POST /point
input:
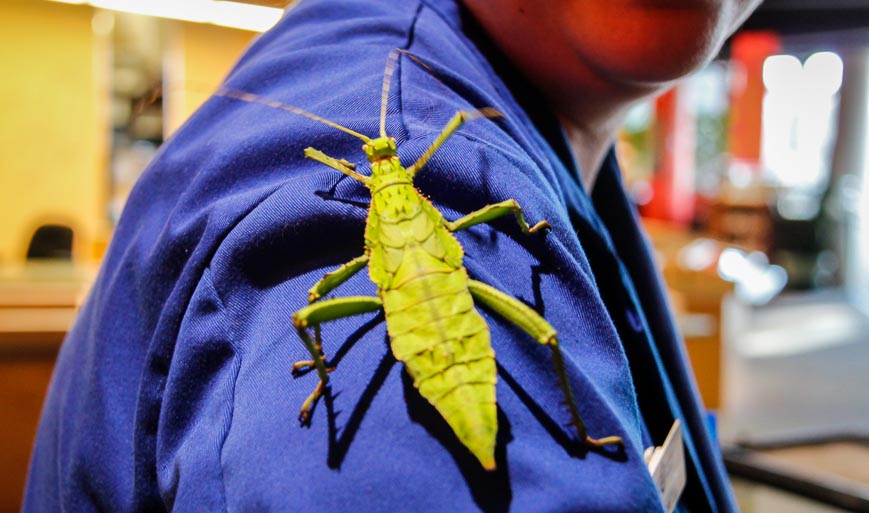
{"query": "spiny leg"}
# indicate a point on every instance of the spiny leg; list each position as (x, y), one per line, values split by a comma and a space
(335, 278)
(301, 366)
(454, 123)
(348, 168)
(312, 316)
(494, 211)
(315, 314)
(532, 323)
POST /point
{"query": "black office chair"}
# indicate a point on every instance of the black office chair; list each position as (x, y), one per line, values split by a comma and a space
(51, 242)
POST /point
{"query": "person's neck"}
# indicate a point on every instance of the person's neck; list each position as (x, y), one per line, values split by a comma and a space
(589, 118)
(590, 144)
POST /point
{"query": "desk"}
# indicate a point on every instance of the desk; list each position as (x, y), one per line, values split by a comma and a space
(38, 303)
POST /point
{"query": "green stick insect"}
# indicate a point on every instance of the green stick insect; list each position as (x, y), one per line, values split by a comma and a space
(423, 288)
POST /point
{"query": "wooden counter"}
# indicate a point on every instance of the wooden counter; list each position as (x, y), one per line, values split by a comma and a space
(696, 297)
(38, 303)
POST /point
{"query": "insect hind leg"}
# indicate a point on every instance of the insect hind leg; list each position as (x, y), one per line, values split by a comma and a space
(303, 366)
(312, 316)
(532, 323)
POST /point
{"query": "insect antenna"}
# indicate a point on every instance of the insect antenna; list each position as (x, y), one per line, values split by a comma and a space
(481, 112)
(255, 98)
(455, 122)
(391, 59)
(419, 61)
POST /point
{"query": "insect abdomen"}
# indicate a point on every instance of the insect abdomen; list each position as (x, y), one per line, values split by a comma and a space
(434, 328)
(444, 344)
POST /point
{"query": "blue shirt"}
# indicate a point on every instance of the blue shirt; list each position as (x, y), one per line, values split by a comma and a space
(173, 388)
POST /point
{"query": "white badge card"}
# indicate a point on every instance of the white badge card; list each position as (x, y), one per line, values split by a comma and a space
(667, 466)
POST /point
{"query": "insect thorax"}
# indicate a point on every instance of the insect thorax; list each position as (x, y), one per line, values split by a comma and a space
(386, 171)
(392, 193)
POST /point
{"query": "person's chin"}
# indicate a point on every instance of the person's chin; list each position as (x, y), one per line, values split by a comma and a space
(680, 4)
(652, 46)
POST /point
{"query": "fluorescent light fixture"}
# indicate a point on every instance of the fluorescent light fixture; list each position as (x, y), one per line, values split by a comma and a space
(228, 14)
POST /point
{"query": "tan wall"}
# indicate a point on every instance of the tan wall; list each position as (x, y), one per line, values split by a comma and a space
(198, 58)
(54, 131)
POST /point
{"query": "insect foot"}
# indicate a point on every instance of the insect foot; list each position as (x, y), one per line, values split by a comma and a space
(543, 226)
(305, 412)
(303, 366)
(600, 442)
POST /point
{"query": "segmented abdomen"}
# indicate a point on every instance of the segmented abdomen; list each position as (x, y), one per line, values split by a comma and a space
(433, 326)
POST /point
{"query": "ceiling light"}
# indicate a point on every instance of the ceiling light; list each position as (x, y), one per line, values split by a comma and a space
(228, 14)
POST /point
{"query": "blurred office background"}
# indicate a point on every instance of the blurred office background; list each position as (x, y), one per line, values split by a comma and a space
(751, 177)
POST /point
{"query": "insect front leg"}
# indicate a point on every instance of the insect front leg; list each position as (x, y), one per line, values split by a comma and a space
(312, 316)
(452, 125)
(342, 165)
(532, 323)
(494, 211)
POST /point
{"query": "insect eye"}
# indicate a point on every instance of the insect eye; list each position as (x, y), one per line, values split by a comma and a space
(364, 147)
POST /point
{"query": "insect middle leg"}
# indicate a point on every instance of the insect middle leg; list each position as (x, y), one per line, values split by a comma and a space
(494, 211)
(331, 280)
(532, 323)
(312, 316)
